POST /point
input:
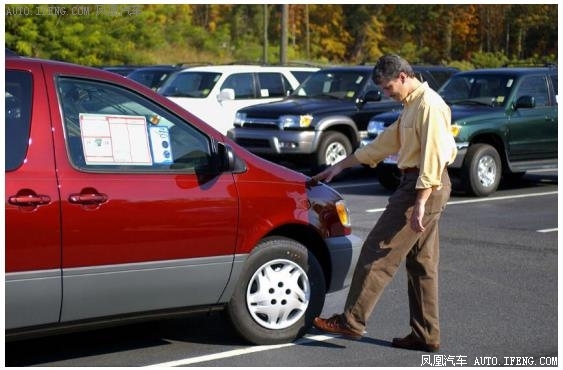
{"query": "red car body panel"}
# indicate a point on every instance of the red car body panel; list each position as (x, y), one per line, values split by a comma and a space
(33, 237)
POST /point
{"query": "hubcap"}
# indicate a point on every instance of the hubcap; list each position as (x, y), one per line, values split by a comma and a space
(487, 171)
(278, 294)
(335, 152)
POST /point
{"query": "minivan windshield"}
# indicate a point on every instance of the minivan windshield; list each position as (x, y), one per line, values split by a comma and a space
(191, 84)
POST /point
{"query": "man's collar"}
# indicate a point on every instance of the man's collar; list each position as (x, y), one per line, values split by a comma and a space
(415, 93)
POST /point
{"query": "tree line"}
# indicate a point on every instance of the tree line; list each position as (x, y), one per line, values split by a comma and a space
(462, 35)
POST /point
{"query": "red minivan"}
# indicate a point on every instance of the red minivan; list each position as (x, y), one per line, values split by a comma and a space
(120, 204)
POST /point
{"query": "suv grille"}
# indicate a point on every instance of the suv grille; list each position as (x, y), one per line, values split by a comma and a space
(261, 123)
(253, 143)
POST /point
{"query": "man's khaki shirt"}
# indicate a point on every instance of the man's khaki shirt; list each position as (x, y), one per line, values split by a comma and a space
(421, 136)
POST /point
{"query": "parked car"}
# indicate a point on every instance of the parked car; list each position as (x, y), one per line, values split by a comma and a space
(122, 70)
(323, 121)
(434, 75)
(120, 205)
(153, 76)
(504, 122)
(217, 92)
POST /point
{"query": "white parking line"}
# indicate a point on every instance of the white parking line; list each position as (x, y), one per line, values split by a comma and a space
(243, 351)
(547, 230)
(479, 200)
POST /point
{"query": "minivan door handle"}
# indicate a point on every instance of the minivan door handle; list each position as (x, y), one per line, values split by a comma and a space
(88, 196)
(27, 200)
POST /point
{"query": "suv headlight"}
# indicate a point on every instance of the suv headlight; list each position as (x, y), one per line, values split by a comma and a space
(295, 121)
(375, 127)
(239, 119)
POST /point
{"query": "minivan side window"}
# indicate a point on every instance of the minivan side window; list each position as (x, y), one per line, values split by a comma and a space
(111, 129)
(19, 91)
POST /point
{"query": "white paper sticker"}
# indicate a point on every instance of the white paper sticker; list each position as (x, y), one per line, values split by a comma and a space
(160, 143)
(115, 139)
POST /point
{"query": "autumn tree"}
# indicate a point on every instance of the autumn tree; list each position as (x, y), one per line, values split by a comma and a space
(478, 34)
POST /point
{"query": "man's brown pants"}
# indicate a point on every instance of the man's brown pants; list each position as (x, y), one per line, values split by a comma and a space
(388, 243)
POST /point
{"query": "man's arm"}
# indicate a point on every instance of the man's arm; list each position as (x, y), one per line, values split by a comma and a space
(422, 196)
(329, 173)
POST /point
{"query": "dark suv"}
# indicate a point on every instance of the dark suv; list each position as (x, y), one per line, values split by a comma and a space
(504, 122)
(323, 120)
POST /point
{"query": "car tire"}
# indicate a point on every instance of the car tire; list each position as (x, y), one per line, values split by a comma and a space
(482, 170)
(333, 148)
(389, 176)
(279, 293)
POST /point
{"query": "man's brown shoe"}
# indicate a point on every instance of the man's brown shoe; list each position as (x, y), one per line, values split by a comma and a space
(336, 325)
(411, 342)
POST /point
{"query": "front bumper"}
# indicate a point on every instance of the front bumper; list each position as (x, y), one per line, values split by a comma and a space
(461, 152)
(274, 142)
(344, 253)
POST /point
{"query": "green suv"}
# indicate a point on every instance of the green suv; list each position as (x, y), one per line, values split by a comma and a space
(504, 121)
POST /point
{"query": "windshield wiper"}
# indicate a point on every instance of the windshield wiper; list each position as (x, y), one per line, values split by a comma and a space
(470, 102)
(179, 95)
(324, 96)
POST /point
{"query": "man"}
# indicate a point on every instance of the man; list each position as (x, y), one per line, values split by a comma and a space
(408, 228)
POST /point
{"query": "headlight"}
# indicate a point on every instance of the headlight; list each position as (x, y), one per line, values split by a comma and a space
(456, 129)
(239, 119)
(375, 127)
(343, 213)
(295, 121)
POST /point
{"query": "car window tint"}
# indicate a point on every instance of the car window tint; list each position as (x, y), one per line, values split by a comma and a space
(441, 76)
(242, 84)
(535, 86)
(109, 128)
(456, 88)
(301, 75)
(341, 84)
(150, 78)
(17, 117)
(189, 84)
(271, 84)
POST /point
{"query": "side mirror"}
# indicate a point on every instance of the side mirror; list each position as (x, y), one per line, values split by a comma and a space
(226, 94)
(373, 95)
(226, 158)
(525, 101)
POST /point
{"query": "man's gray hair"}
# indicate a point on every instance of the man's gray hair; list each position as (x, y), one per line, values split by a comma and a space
(389, 66)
